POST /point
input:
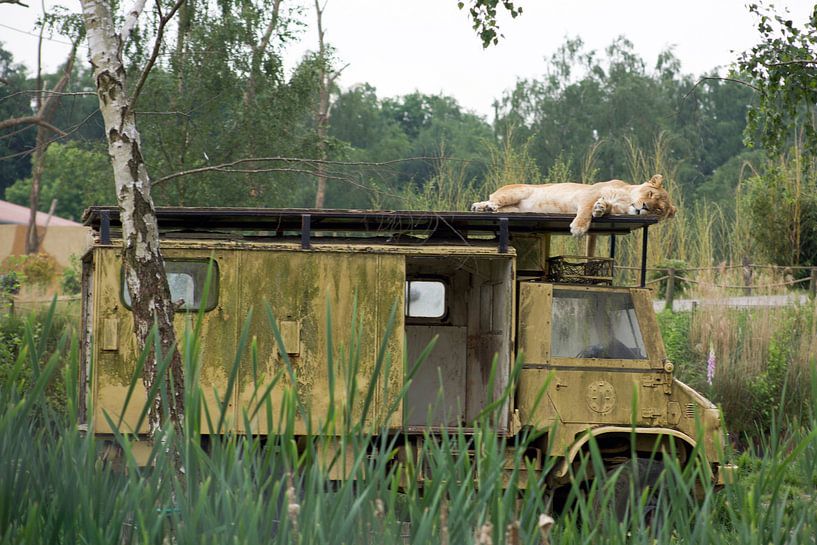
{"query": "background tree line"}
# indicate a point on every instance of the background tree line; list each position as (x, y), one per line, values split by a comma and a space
(216, 95)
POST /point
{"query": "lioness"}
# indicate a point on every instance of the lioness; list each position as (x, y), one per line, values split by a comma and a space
(586, 201)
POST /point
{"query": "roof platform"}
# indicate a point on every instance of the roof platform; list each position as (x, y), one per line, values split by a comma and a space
(400, 226)
(291, 221)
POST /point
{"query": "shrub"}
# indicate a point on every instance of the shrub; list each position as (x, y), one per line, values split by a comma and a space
(784, 191)
(35, 269)
(71, 282)
(758, 354)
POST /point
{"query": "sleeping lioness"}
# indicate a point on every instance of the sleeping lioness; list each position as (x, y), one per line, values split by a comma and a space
(586, 201)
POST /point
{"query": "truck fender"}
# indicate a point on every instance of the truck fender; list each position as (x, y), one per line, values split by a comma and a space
(561, 469)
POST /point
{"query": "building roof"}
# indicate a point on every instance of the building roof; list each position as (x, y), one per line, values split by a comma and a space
(16, 214)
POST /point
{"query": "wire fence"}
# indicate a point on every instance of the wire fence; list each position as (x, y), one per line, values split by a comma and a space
(672, 277)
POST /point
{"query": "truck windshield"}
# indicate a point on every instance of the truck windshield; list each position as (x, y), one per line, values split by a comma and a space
(595, 324)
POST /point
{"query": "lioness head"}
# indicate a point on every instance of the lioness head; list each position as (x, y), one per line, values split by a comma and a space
(651, 198)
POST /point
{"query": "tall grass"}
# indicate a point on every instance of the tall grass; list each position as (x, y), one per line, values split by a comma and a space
(55, 488)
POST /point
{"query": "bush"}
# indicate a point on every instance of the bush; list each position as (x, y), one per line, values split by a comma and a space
(70, 282)
(35, 269)
(781, 206)
(757, 356)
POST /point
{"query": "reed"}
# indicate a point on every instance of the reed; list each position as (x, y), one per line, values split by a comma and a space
(55, 488)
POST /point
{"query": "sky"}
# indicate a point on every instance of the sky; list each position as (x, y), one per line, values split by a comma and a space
(400, 46)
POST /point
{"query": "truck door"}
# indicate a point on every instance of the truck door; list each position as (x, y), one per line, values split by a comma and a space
(300, 288)
(592, 355)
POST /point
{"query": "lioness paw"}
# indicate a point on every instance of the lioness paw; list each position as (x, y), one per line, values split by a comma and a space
(578, 230)
(484, 206)
(599, 209)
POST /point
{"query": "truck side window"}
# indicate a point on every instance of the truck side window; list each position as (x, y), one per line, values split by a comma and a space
(186, 280)
(425, 299)
(594, 324)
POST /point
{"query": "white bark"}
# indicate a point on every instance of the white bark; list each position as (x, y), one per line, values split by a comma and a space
(132, 18)
(144, 266)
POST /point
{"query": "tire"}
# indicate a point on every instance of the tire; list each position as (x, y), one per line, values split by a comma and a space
(641, 475)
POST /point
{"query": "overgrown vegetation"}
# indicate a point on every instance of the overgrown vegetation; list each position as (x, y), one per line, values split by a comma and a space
(752, 362)
(56, 487)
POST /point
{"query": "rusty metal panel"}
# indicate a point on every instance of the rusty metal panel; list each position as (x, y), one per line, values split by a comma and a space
(650, 331)
(299, 287)
(535, 321)
(597, 396)
(113, 370)
(535, 406)
(110, 334)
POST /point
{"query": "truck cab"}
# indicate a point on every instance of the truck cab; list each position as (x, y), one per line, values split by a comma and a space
(548, 343)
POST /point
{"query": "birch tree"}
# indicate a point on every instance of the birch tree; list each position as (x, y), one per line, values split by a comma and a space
(326, 79)
(143, 263)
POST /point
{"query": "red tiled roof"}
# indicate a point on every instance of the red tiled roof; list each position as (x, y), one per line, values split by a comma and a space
(14, 213)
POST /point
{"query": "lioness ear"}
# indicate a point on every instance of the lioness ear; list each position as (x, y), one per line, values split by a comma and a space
(656, 180)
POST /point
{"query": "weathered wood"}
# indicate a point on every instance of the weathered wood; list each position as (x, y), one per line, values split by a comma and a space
(670, 294)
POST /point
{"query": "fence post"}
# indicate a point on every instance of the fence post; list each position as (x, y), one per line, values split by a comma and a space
(747, 275)
(669, 296)
(812, 283)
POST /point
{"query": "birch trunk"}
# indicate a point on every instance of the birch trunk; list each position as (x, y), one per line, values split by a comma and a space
(143, 264)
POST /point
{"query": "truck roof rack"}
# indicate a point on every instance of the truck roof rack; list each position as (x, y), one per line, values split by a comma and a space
(304, 221)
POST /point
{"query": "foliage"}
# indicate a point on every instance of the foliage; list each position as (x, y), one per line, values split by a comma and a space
(449, 189)
(9, 283)
(217, 99)
(663, 266)
(781, 205)
(71, 277)
(38, 333)
(689, 364)
(484, 16)
(763, 361)
(14, 159)
(604, 104)
(77, 175)
(33, 269)
(59, 489)
(783, 68)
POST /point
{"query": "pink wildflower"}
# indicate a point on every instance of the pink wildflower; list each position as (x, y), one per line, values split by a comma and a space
(710, 366)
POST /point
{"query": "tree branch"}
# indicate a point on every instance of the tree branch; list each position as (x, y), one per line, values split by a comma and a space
(157, 45)
(130, 22)
(225, 167)
(54, 97)
(733, 80)
(345, 179)
(30, 120)
(16, 2)
(801, 62)
(258, 51)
